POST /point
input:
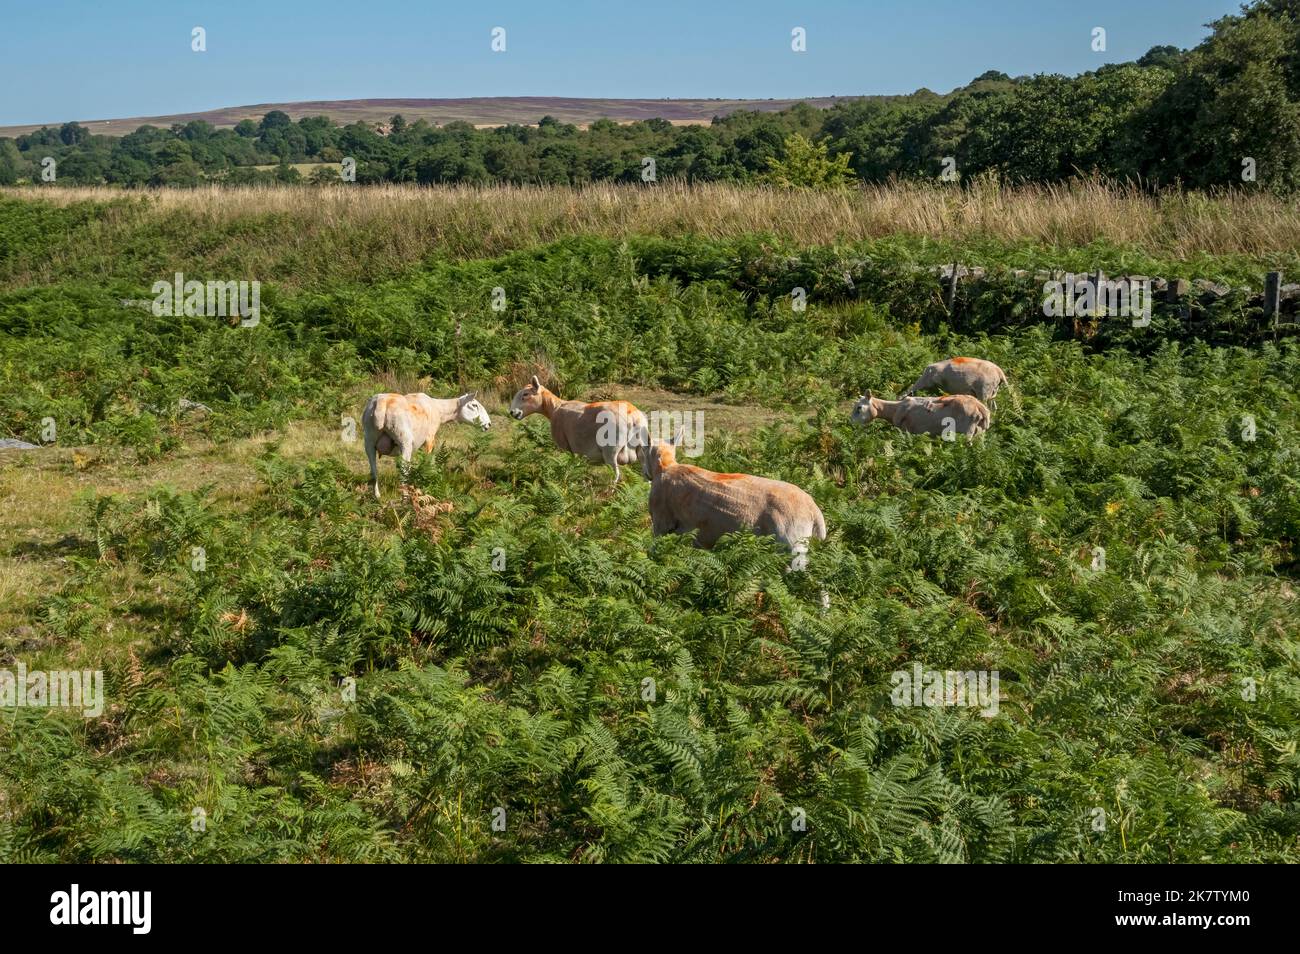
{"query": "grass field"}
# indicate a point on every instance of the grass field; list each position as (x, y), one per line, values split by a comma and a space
(303, 168)
(536, 676)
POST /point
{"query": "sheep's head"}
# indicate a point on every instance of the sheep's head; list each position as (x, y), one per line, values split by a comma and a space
(470, 411)
(527, 400)
(660, 455)
(865, 411)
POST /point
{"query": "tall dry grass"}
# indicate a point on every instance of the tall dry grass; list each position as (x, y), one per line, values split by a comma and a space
(403, 224)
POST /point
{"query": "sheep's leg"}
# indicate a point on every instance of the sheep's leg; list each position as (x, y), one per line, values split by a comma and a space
(799, 563)
(377, 444)
(405, 466)
(610, 455)
(799, 555)
(661, 516)
(372, 455)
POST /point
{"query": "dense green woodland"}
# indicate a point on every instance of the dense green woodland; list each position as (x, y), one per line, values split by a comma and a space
(1172, 117)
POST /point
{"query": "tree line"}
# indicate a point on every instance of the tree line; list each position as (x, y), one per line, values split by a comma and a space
(1224, 113)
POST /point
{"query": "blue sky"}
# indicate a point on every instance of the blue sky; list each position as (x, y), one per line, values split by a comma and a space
(87, 59)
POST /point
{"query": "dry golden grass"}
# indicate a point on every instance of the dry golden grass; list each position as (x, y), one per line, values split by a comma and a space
(410, 221)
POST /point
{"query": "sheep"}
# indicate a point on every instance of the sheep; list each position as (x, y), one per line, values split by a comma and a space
(395, 424)
(684, 498)
(609, 431)
(974, 376)
(943, 416)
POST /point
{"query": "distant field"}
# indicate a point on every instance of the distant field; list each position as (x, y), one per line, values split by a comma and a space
(304, 168)
(479, 110)
(300, 235)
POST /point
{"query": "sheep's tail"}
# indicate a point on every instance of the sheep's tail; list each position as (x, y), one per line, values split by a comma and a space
(374, 415)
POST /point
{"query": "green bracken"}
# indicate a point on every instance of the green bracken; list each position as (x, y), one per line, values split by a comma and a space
(504, 665)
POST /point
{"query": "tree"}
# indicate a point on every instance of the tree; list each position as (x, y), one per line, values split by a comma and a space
(196, 130)
(761, 138)
(1050, 127)
(275, 119)
(82, 168)
(1234, 104)
(806, 165)
(11, 162)
(1166, 57)
(73, 134)
(325, 175)
(183, 173)
(126, 170)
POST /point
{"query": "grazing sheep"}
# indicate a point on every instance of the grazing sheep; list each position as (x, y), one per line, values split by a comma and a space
(396, 424)
(609, 431)
(973, 376)
(943, 416)
(684, 497)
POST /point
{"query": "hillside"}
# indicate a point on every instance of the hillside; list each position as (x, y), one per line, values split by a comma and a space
(502, 662)
(478, 110)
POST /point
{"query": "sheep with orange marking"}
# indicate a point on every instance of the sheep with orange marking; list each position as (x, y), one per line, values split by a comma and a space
(943, 416)
(610, 431)
(974, 376)
(396, 424)
(684, 498)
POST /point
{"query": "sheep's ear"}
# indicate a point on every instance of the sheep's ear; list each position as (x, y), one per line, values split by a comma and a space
(536, 383)
(473, 395)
